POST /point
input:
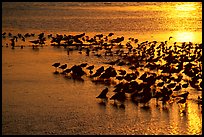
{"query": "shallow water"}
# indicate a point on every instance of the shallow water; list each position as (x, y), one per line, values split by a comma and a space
(36, 101)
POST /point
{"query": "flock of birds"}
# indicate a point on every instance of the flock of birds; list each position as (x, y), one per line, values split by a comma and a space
(61, 40)
(156, 70)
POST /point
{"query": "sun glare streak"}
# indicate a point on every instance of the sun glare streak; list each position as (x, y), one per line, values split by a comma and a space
(185, 37)
(185, 7)
(194, 122)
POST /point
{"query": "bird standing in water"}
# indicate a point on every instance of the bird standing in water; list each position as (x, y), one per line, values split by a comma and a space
(182, 102)
(103, 96)
(57, 64)
(63, 67)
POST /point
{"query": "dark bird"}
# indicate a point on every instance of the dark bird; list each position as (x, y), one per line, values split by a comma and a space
(35, 42)
(160, 84)
(98, 72)
(185, 85)
(133, 68)
(170, 37)
(56, 65)
(177, 88)
(122, 72)
(63, 66)
(102, 95)
(171, 85)
(120, 96)
(66, 71)
(165, 99)
(119, 77)
(83, 65)
(77, 72)
(157, 95)
(143, 77)
(110, 34)
(199, 100)
(184, 95)
(182, 101)
(90, 67)
(145, 100)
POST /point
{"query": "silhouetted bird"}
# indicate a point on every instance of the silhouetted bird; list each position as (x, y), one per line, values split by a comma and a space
(102, 95)
(122, 72)
(90, 68)
(35, 42)
(165, 99)
(83, 65)
(184, 95)
(66, 71)
(177, 88)
(182, 101)
(120, 96)
(56, 65)
(160, 84)
(63, 66)
(185, 85)
(171, 85)
(98, 72)
(110, 34)
(199, 100)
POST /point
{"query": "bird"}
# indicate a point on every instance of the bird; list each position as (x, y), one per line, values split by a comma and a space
(63, 66)
(144, 75)
(83, 65)
(185, 85)
(145, 99)
(199, 100)
(110, 34)
(90, 68)
(170, 37)
(171, 85)
(57, 64)
(66, 71)
(98, 72)
(156, 94)
(165, 99)
(160, 84)
(102, 95)
(119, 77)
(182, 101)
(34, 41)
(184, 95)
(122, 72)
(178, 87)
(120, 96)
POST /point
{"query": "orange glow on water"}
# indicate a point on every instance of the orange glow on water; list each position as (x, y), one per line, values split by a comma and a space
(185, 36)
(194, 121)
(186, 7)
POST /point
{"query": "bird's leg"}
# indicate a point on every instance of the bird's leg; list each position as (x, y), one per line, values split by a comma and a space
(157, 101)
(164, 104)
(115, 103)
